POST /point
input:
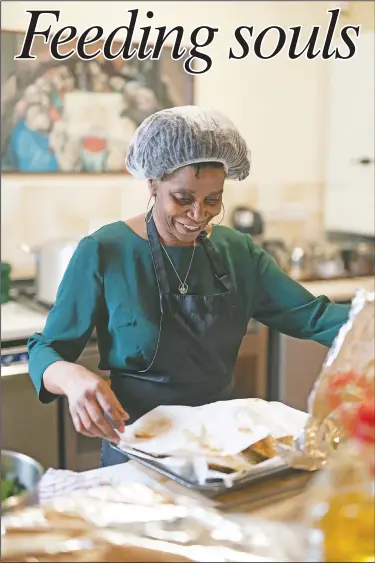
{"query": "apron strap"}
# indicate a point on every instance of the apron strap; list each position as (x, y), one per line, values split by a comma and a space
(220, 271)
(157, 255)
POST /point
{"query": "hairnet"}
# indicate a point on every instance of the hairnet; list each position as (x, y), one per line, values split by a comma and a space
(176, 137)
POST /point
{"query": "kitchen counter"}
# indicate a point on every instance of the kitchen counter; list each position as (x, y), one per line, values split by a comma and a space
(339, 289)
(285, 506)
(17, 318)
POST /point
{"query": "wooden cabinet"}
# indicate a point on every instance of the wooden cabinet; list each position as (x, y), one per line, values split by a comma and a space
(251, 366)
(27, 426)
(300, 363)
(349, 172)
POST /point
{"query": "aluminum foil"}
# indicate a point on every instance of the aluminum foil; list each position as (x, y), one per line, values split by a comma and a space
(138, 523)
(204, 451)
(346, 379)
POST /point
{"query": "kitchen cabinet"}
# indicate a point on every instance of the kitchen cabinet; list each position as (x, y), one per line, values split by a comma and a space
(251, 367)
(27, 425)
(349, 172)
(81, 453)
(300, 362)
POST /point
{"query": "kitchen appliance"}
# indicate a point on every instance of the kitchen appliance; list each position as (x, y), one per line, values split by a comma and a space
(248, 220)
(52, 259)
(29, 473)
(327, 262)
(359, 259)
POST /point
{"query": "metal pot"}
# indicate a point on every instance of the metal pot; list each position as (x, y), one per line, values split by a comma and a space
(360, 259)
(29, 473)
(52, 259)
(327, 262)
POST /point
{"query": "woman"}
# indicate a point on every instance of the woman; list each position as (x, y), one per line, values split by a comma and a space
(170, 295)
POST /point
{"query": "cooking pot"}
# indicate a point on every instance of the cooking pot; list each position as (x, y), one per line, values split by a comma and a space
(327, 261)
(360, 259)
(52, 259)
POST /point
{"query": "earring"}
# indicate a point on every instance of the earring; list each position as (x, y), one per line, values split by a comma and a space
(149, 210)
(221, 220)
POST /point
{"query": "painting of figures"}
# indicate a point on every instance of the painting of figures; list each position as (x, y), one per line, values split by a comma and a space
(72, 115)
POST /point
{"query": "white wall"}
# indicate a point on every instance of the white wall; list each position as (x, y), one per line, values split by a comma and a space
(279, 106)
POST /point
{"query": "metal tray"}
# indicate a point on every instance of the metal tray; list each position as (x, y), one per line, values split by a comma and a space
(215, 486)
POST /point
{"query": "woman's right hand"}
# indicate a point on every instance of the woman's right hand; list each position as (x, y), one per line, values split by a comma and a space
(91, 400)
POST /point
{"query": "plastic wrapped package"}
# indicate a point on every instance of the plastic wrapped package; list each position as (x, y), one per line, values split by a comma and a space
(138, 523)
(347, 378)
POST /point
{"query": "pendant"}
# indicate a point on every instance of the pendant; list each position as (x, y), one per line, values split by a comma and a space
(183, 288)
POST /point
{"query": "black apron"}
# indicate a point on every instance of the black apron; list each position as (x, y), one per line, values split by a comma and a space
(199, 338)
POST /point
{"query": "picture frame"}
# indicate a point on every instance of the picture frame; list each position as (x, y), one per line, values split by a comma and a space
(74, 116)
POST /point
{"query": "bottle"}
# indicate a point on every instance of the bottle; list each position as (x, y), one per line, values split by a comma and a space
(341, 506)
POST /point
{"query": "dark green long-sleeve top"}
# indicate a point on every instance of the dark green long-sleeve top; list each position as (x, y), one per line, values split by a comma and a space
(110, 284)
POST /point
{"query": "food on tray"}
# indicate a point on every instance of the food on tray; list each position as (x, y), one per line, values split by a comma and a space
(217, 430)
(267, 447)
(200, 443)
(154, 427)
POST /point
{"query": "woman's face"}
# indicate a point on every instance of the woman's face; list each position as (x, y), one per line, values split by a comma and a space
(186, 201)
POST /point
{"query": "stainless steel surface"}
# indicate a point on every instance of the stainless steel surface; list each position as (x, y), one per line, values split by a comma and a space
(300, 262)
(215, 486)
(52, 259)
(28, 471)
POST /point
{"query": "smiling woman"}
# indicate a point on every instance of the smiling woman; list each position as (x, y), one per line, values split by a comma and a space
(169, 292)
(187, 200)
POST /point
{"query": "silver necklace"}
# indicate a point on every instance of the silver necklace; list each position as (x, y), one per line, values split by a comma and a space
(183, 287)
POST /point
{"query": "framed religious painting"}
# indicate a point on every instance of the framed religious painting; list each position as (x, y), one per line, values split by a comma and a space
(75, 116)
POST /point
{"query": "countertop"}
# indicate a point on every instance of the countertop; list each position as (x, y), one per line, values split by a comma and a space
(20, 322)
(286, 506)
(340, 289)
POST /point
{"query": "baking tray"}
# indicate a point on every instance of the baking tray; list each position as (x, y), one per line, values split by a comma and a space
(215, 486)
